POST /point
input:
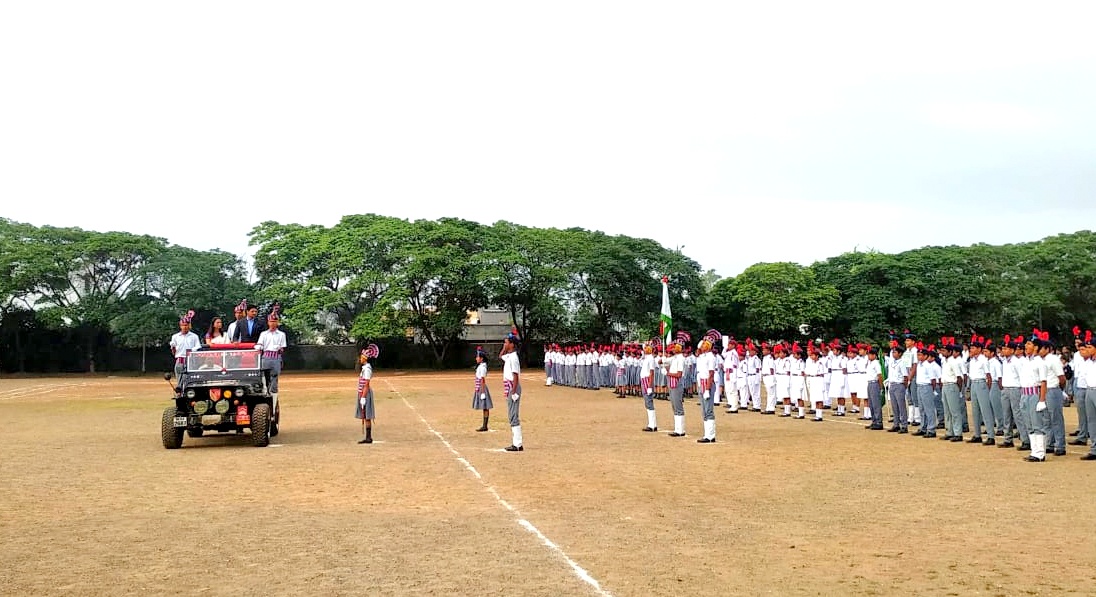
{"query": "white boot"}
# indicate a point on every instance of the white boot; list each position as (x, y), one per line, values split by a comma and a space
(679, 424)
(651, 424)
(517, 435)
(709, 429)
(1038, 447)
(548, 381)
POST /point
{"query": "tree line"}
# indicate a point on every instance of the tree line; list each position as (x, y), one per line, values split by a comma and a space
(373, 277)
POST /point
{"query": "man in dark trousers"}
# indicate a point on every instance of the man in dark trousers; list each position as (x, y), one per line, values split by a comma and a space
(248, 329)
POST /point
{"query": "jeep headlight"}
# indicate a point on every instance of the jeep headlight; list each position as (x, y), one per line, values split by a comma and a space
(222, 406)
(201, 407)
(190, 393)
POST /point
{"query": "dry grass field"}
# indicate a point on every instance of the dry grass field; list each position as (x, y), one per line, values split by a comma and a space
(91, 503)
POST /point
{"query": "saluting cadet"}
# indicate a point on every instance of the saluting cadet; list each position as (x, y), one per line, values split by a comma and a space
(183, 342)
(675, 373)
(898, 380)
(875, 389)
(1056, 378)
(838, 384)
(706, 371)
(364, 407)
(980, 382)
(272, 344)
(481, 395)
(511, 386)
(815, 372)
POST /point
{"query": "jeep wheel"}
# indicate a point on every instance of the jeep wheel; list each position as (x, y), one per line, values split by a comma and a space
(260, 425)
(195, 432)
(171, 435)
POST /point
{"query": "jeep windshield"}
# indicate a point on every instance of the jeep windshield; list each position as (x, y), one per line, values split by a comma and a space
(223, 360)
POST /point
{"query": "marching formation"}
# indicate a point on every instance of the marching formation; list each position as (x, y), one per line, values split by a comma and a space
(1017, 388)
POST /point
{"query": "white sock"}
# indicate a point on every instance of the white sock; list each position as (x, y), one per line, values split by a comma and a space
(867, 412)
(818, 412)
(787, 409)
(679, 423)
(651, 419)
(516, 431)
(800, 411)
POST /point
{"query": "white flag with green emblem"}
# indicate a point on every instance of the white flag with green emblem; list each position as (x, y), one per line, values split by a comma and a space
(666, 320)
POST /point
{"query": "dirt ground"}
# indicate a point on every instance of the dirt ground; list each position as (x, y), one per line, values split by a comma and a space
(91, 503)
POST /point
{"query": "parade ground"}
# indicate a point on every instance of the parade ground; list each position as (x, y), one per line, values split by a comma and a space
(92, 504)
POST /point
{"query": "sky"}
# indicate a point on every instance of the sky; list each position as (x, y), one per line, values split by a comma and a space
(741, 132)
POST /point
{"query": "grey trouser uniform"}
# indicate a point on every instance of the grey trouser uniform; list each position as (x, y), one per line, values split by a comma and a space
(928, 408)
(1057, 421)
(707, 406)
(898, 405)
(274, 368)
(998, 408)
(953, 400)
(1090, 410)
(979, 391)
(875, 399)
(513, 406)
(1010, 399)
(676, 400)
(649, 398)
(1037, 422)
(1082, 406)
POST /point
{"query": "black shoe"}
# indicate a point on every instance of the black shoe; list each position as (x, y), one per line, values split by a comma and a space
(1007, 444)
(975, 440)
(876, 427)
(894, 429)
(1078, 442)
(940, 426)
(1024, 447)
(989, 442)
(1075, 433)
(481, 429)
(915, 424)
(966, 429)
(817, 420)
(1089, 456)
(1059, 452)
(947, 437)
(731, 412)
(675, 434)
(650, 429)
(705, 440)
(799, 417)
(957, 438)
(999, 433)
(783, 416)
(515, 448)
(367, 440)
(1034, 459)
(929, 435)
(903, 431)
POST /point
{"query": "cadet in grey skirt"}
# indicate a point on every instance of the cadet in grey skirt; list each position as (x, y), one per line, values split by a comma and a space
(481, 395)
(363, 409)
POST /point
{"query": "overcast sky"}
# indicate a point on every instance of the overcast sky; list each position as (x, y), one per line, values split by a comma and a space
(745, 131)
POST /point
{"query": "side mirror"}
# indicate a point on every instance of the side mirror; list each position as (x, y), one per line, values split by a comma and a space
(168, 376)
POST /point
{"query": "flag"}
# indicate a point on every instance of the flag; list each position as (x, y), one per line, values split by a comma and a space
(665, 322)
(883, 365)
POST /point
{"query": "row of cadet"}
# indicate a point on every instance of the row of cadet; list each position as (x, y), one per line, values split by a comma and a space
(1016, 391)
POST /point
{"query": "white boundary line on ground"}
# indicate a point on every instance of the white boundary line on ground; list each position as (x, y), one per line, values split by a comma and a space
(579, 571)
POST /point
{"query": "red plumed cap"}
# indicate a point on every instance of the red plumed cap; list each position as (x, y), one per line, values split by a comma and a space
(1077, 331)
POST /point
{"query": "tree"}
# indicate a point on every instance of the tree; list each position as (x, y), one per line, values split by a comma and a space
(776, 298)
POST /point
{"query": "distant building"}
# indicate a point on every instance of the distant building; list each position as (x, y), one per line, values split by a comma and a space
(487, 325)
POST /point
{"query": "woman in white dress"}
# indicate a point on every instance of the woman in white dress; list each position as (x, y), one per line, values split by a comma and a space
(216, 334)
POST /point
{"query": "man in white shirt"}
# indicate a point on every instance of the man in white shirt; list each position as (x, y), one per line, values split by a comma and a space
(925, 383)
(1033, 389)
(183, 342)
(897, 382)
(1080, 387)
(706, 376)
(1088, 366)
(949, 379)
(874, 371)
(1010, 392)
(979, 379)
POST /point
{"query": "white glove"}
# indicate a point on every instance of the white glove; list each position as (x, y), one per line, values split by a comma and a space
(706, 396)
(1040, 407)
(361, 401)
(483, 396)
(514, 397)
(650, 391)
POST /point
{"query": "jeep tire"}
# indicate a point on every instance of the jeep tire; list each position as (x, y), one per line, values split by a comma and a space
(171, 435)
(260, 425)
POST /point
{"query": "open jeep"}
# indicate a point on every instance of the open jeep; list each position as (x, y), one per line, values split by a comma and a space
(224, 389)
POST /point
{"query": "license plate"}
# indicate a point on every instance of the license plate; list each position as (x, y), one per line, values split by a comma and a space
(211, 419)
(180, 421)
(242, 418)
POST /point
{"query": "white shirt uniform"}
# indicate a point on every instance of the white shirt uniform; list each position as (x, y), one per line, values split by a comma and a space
(1054, 368)
(182, 343)
(271, 342)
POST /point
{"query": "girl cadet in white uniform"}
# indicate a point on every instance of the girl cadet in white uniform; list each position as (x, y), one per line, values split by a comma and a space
(481, 395)
(511, 386)
(364, 408)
